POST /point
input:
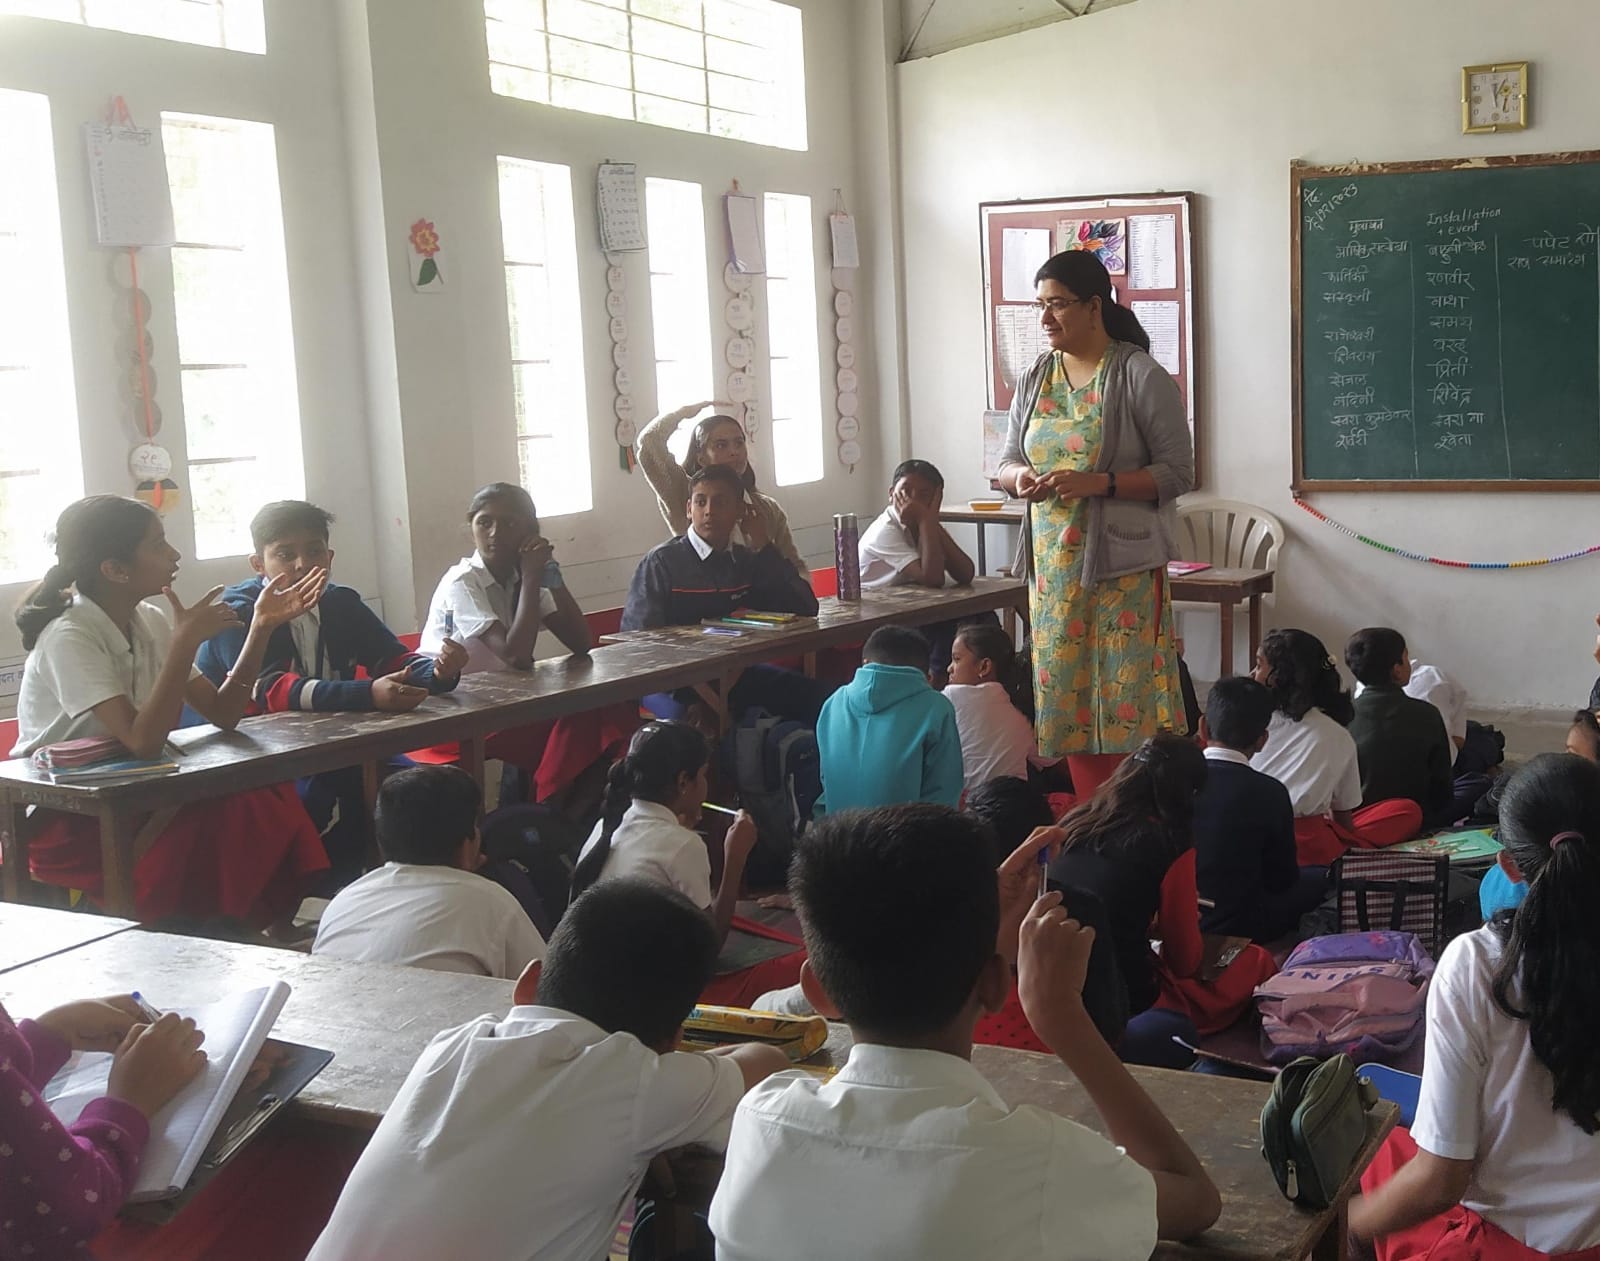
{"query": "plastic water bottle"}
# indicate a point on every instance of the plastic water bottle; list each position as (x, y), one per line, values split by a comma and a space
(847, 555)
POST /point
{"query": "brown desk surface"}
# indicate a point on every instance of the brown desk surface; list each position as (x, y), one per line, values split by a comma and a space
(1219, 1117)
(1011, 513)
(374, 1018)
(30, 933)
(1215, 584)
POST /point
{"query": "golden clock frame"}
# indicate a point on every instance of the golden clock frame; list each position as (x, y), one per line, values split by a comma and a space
(1519, 123)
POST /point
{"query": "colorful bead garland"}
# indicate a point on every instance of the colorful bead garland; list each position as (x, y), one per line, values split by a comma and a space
(1437, 560)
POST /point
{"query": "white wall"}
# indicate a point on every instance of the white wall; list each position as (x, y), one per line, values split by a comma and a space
(1217, 98)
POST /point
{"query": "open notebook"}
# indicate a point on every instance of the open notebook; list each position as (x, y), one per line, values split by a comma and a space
(235, 1029)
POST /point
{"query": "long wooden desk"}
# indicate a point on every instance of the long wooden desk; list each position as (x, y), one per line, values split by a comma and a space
(31, 933)
(1226, 588)
(1011, 512)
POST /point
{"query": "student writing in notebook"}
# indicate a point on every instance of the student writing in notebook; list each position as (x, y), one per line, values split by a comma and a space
(60, 1185)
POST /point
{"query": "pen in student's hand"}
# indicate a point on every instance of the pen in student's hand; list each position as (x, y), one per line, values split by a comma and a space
(150, 1013)
(1044, 871)
(711, 805)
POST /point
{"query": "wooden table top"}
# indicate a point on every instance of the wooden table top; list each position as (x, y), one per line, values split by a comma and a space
(1219, 1117)
(30, 933)
(1010, 512)
(1214, 584)
(376, 1019)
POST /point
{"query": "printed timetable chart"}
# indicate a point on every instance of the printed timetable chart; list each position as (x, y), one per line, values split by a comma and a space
(1447, 325)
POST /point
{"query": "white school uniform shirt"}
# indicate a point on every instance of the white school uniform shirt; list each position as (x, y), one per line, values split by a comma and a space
(1486, 1098)
(1431, 684)
(426, 916)
(523, 1138)
(650, 843)
(996, 737)
(886, 550)
(83, 658)
(911, 1155)
(1315, 759)
(474, 600)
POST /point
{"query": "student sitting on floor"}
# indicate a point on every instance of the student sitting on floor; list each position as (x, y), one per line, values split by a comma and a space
(889, 738)
(427, 906)
(907, 545)
(62, 1184)
(496, 603)
(1402, 747)
(1244, 825)
(996, 738)
(527, 1136)
(1310, 752)
(909, 1152)
(1503, 1158)
(311, 663)
(102, 662)
(704, 574)
(1132, 846)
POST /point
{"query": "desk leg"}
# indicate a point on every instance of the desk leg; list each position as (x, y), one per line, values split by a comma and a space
(471, 763)
(809, 665)
(1226, 611)
(369, 809)
(1255, 631)
(983, 548)
(117, 833)
(17, 882)
(1335, 1239)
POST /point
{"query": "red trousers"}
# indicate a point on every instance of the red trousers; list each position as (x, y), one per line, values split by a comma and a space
(1458, 1234)
(1319, 840)
(555, 752)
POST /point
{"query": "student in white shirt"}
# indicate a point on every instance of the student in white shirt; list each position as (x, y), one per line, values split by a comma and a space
(909, 1153)
(496, 603)
(906, 544)
(104, 663)
(1310, 752)
(1503, 1158)
(427, 906)
(525, 1138)
(996, 737)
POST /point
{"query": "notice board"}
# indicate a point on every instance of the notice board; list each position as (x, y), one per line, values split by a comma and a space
(1447, 324)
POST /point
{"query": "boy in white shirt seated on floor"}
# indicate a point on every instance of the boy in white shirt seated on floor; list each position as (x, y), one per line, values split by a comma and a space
(525, 1138)
(427, 906)
(909, 1154)
(996, 737)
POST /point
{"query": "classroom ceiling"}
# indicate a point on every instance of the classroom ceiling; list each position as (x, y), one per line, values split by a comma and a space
(937, 26)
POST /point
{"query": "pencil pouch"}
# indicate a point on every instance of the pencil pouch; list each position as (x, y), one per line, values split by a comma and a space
(797, 1036)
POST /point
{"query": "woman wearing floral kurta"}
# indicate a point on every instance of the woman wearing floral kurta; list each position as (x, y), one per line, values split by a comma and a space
(1100, 447)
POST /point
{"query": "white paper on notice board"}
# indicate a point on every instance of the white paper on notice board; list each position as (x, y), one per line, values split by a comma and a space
(1153, 252)
(132, 201)
(1020, 340)
(1022, 252)
(1161, 321)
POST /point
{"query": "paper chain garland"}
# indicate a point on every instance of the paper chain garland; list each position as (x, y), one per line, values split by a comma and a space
(1437, 560)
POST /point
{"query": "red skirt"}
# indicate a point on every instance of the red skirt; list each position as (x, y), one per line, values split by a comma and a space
(1216, 1004)
(1457, 1234)
(247, 856)
(1009, 1027)
(1319, 840)
(554, 752)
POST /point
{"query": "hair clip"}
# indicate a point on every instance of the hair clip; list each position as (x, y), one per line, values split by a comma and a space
(1566, 836)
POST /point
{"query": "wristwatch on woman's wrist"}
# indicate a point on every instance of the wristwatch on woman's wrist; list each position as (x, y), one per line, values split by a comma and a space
(1111, 485)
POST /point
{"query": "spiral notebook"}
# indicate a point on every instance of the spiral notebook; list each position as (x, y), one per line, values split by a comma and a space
(235, 1029)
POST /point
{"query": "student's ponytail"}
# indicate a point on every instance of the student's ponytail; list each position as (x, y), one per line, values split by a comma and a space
(1549, 971)
(88, 533)
(1086, 276)
(658, 756)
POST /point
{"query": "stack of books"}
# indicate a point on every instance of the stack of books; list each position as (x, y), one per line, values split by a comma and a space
(96, 758)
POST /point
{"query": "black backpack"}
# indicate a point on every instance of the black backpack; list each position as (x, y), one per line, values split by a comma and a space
(775, 766)
(531, 850)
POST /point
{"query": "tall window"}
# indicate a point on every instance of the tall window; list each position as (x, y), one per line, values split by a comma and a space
(39, 458)
(792, 339)
(680, 305)
(541, 254)
(241, 410)
(733, 68)
(235, 24)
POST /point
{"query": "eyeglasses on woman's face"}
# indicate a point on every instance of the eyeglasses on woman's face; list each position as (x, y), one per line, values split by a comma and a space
(1057, 305)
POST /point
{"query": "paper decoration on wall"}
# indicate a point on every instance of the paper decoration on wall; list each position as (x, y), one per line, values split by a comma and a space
(740, 387)
(740, 313)
(739, 352)
(848, 427)
(744, 232)
(616, 303)
(844, 302)
(1105, 238)
(128, 174)
(850, 453)
(844, 329)
(425, 272)
(846, 380)
(619, 355)
(735, 280)
(616, 280)
(626, 432)
(845, 356)
(750, 417)
(148, 462)
(846, 402)
(161, 495)
(618, 203)
(842, 230)
(618, 328)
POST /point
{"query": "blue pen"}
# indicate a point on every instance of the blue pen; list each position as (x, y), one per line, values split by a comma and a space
(1044, 871)
(150, 1013)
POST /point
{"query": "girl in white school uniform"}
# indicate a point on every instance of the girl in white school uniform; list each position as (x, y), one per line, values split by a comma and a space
(1502, 1162)
(652, 803)
(102, 662)
(496, 603)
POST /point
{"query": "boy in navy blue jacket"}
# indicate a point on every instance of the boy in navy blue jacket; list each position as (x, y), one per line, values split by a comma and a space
(311, 662)
(1244, 825)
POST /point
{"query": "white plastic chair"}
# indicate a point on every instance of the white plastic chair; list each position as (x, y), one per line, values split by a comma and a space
(1228, 534)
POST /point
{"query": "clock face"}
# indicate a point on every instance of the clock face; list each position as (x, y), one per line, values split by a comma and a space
(1495, 98)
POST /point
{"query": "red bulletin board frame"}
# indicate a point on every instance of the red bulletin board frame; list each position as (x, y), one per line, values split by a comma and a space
(996, 216)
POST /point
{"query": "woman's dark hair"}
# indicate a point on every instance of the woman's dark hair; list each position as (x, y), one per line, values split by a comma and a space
(1301, 676)
(658, 754)
(1156, 784)
(700, 436)
(1584, 720)
(89, 533)
(1086, 276)
(503, 490)
(1372, 654)
(1549, 970)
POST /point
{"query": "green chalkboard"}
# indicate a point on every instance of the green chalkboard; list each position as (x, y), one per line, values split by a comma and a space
(1447, 325)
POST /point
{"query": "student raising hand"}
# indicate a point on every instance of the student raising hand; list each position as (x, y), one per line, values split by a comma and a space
(1052, 962)
(280, 602)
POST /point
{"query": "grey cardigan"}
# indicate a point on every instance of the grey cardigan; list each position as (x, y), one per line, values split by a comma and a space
(1144, 428)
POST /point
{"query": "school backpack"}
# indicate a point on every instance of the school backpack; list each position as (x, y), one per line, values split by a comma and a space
(530, 850)
(774, 764)
(1360, 994)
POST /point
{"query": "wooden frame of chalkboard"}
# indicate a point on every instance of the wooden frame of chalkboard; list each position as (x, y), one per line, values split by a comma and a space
(1580, 245)
(1165, 262)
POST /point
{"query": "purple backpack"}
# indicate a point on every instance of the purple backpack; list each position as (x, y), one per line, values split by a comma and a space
(1363, 994)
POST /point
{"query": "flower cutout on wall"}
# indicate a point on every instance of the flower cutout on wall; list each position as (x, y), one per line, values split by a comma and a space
(425, 245)
(1106, 238)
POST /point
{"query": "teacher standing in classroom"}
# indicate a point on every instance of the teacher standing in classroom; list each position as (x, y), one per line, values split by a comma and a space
(1099, 446)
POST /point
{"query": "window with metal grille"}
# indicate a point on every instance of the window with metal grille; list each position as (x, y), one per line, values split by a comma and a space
(235, 24)
(680, 303)
(792, 339)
